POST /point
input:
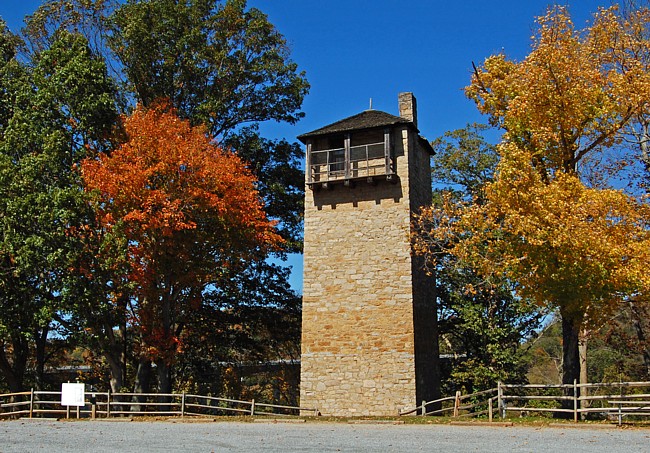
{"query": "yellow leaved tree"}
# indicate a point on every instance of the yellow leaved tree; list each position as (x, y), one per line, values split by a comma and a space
(548, 222)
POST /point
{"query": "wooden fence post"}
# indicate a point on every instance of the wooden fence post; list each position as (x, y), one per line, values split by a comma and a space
(457, 403)
(252, 407)
(31, 403)
(500, 406)
(183, 405)
(108, 404)
(424, 407)
(93, 404)
(490, 409)
(620, 406)
(575, 401)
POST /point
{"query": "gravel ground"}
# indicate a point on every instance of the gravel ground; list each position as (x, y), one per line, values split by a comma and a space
(104, 436)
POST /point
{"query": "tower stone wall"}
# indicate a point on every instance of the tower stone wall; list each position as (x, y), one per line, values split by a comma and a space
(369, 326)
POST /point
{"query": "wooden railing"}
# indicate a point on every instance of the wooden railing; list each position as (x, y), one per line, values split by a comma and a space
(106, 404)
(610, 400)
(363, 161)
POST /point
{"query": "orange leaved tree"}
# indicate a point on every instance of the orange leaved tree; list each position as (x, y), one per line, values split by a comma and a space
(189, 211)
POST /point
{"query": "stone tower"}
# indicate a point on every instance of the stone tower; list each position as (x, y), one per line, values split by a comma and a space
(369, 334)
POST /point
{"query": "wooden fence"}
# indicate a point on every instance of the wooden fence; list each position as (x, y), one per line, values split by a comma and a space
(459, 405)
(617, 400)
(36, 403)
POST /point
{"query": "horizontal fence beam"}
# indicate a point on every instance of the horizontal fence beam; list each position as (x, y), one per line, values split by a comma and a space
(9, 395)
(484, 392)
(539, 409)
(536, 397)
(24, 412)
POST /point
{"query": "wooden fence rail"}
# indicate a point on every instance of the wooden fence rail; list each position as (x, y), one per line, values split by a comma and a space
(37, 403)
(612, 399)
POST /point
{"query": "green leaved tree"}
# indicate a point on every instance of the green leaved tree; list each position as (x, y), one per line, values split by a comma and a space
(482, 324)
(58, 105)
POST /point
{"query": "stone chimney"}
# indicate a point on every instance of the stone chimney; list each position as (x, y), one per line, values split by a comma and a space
(408, 108)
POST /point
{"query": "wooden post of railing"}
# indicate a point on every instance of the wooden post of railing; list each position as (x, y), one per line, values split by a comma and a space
(457, 403)
(620, 406)
(490, 409)
(31, 403)
(108, 404)
(93, 405)
(346, 159)
(387, 156)
(500, 406)
(252, 407)
(308, 162)
(575, 401)
(183, 405)
(424, 408)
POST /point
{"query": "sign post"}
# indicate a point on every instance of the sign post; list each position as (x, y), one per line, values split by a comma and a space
(73, 394)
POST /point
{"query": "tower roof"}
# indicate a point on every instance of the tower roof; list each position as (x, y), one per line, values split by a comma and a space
(365, 120)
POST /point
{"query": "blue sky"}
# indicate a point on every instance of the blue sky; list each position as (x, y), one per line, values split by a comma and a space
(356, 50)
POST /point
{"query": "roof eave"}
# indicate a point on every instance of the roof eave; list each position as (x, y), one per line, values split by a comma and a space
(357, 123)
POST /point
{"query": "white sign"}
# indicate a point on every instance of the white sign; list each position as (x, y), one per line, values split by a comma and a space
(72, 394)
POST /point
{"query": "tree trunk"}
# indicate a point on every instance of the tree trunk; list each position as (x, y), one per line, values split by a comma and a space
(124, 355)
(571, 325)
(570, 351)
(13, 377)
(162, 366)
(112, 350)
(163, 371)
(637, 322)
(41, 345)
(117, 378)
(14, 371)
(142, 382)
